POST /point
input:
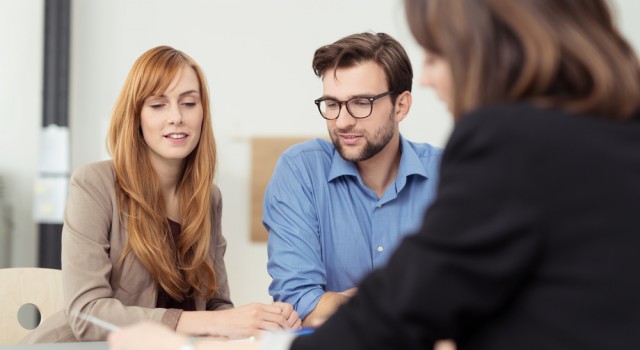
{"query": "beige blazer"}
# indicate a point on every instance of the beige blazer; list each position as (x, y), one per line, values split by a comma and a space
(92, 243)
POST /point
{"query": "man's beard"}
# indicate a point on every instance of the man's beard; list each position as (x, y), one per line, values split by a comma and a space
(373, 145)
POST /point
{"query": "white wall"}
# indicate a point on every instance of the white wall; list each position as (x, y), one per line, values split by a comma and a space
(257, 56)
(21, 66)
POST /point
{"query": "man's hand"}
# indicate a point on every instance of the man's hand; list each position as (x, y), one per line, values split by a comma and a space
(349, 292)
(327, 306)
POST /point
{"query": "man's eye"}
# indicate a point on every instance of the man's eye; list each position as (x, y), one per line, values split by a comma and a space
(331, 104)
(360, 102)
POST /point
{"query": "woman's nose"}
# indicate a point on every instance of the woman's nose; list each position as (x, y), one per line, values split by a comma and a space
(175, 116)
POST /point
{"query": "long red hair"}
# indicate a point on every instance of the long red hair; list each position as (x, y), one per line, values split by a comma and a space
(186, 269)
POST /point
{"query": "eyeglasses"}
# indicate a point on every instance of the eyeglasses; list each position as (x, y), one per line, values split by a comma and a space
(359, 107)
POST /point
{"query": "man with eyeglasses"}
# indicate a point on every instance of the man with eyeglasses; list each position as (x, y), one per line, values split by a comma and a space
(336, 210)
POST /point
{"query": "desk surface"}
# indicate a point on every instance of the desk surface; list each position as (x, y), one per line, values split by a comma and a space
(101, 345)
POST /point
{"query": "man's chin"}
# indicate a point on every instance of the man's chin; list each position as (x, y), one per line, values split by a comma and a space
(348, 152)
(351, 156)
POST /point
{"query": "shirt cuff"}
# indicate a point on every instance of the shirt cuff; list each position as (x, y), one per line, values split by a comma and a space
(277, 340)
(171, 318)
(308, 302)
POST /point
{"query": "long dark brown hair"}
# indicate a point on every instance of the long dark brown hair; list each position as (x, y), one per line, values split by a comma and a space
(560, 53)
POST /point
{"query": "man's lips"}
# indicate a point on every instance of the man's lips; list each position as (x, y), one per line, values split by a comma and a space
(350, 139)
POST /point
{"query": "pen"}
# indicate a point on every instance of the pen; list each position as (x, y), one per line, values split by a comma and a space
(304, 331)
(98, 322)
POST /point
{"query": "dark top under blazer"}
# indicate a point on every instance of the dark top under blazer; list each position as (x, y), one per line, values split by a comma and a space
(532, 243)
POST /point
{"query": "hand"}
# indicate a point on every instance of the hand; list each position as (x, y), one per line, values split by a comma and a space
(145, 335)
(241, 322)
(444, 345)
(249, 320)
(327, 306)
(349, 292)
(287, 311)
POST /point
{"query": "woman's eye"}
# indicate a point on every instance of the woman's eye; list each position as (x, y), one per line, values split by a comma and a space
(189, 104)
(156, 105)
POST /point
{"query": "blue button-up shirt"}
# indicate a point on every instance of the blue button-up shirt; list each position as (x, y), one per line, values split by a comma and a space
(327, 230)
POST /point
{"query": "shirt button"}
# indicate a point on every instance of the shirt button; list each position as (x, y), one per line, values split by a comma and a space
(380, 206)
(380, 248)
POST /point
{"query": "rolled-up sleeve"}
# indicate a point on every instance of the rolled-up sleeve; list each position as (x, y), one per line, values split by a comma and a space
(295, 254)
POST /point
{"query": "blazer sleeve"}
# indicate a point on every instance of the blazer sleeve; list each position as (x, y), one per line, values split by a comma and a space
(477, 246)
(86, 262)
(222, 299)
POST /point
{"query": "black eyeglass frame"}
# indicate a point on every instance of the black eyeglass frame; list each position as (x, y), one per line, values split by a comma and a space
(346, 104)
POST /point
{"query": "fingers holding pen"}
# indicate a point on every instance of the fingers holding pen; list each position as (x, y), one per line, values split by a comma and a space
(290, 315)
(279, 316)
(244, 321)
(297, 323)
(272, 317)
(285, 309)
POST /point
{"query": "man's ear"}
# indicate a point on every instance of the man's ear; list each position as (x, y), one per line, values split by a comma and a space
(403, 105)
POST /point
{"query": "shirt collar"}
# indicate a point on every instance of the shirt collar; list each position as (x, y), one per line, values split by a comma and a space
(341, 167)
(410, 164)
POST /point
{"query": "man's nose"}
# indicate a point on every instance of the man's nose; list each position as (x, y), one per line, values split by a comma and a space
(345, 119)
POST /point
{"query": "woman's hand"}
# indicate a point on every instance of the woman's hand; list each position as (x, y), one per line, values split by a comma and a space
(293, 320)
(249, 320)
(241, 322)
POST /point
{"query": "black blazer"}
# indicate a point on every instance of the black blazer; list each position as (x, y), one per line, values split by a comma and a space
(533, 242)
